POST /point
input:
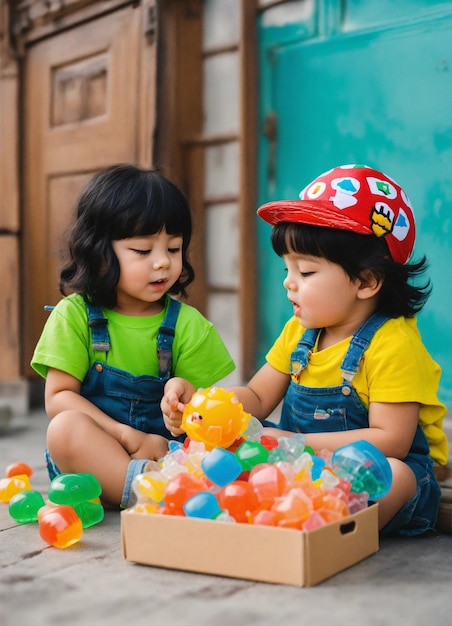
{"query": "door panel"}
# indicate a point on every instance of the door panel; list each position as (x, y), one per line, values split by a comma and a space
(82, 91)
(380, 96)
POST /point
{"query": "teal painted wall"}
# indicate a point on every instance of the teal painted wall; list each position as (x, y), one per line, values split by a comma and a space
(371, 83)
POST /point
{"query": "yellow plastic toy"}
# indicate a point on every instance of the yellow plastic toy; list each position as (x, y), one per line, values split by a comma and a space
(215, 417)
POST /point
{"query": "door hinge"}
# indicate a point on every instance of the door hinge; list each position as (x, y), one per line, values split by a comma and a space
(150, 26)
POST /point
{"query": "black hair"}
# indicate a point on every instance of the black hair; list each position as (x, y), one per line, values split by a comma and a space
(358, 254)
(118, 202)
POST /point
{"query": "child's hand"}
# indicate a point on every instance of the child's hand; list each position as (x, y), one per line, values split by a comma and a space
(276, 432)
(177, 393)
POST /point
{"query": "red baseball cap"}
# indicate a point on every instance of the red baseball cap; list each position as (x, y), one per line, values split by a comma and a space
(356, 198)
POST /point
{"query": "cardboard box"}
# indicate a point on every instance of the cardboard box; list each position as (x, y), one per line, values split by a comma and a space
(261, 553)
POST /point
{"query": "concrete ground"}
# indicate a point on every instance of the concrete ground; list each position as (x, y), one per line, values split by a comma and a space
(407, 582)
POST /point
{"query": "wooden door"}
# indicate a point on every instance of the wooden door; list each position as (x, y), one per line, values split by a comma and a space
(89, 102)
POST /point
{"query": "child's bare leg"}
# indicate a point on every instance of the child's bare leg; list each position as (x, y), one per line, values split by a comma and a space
(77, 444)
(403, 488)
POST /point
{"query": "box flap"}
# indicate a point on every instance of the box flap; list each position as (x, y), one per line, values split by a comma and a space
(337, 546)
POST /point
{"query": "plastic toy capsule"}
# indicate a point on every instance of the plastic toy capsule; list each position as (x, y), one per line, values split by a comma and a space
(60, 526)
(365, 467)
(24, 506)
(221, 466)
(10, 486)
(74, 488)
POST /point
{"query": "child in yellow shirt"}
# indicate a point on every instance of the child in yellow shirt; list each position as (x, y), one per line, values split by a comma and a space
(351, 363)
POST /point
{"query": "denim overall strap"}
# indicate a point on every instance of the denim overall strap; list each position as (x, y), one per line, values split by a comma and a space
(359, 343)
(328, 409)
(300, 357)
(165, 339)
(98, 324)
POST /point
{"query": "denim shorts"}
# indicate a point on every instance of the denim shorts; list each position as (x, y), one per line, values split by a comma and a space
(52, 468)
(419, 514)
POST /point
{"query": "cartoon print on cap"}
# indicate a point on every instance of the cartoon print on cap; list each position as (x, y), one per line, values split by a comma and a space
(346, 188)
(402, 226)
(313, 191)
(382, 216)
(406, 199)
(382, 219)
(381, 187)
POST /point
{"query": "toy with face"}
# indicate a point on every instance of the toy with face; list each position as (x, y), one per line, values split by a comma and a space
(215, 417)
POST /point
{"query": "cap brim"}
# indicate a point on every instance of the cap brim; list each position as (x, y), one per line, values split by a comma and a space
(316, 214)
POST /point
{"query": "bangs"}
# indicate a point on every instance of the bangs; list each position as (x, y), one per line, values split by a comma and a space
(146, 211)
(352, 251)
(289, 237)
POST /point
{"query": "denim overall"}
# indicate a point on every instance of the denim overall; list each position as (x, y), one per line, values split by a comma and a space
(129, 399)
(332, 409)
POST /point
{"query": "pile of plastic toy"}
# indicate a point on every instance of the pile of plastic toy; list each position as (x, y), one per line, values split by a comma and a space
(229, 470)
(73, 504)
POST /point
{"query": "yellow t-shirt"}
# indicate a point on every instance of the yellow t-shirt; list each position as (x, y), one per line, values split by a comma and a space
(396, 367)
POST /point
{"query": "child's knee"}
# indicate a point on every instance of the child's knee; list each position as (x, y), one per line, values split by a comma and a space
(61, 434)
(403, 478)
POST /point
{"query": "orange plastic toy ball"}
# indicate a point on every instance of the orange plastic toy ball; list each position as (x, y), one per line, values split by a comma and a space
(18, 468)
(179, 489)
(239, 499)
(215, 417)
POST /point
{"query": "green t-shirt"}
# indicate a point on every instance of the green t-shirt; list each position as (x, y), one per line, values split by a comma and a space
(198, 355)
